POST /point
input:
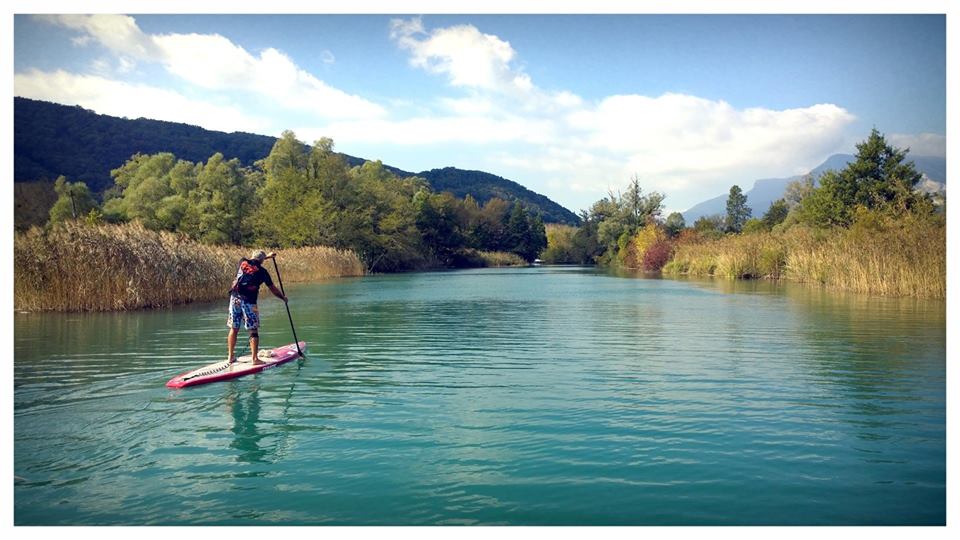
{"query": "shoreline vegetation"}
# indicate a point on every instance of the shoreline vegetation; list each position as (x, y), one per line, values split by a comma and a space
(864, 229)
(78, 266)
(82, 267)
(123, 248)
(900, 258)
(170, 232)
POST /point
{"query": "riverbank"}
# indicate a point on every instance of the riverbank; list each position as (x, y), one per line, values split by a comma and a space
(77, 267)
(905, 257)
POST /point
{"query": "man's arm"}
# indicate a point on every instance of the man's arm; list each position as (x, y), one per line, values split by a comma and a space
(276, 292)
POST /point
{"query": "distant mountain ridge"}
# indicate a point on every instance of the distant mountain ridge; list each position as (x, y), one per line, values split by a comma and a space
(767, 190)
(52, 140)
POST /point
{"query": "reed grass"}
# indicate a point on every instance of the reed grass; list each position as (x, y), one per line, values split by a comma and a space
(906, 257)
(500, 258)
(77, 267)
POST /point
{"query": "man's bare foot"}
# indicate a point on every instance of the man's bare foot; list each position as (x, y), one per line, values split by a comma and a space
(231, 360)
(257, 362)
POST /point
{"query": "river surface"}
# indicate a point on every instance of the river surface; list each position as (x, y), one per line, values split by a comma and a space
(535, 396)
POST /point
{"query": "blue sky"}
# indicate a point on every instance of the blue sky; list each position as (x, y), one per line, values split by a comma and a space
(570, 106)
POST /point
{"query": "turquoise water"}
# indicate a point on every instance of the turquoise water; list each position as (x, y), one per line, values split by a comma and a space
(538, 396)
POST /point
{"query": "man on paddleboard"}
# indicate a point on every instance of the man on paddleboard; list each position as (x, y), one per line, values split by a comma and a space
(243, 302)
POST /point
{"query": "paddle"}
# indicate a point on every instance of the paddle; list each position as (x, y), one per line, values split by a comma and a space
(286, 305)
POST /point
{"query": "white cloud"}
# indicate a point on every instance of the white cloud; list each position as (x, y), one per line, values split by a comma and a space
(118, 33)
(116, 98)
(468, 57)
(106, 66)
(466, 129)
(476, 105)
(676, 132)
(676, 142)
(921, 144)
(125, 65)
(480, 63)
(214, 62)
(101, 66)
(683, 145)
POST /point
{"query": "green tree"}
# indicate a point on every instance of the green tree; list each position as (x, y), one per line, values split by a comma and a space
(518, 227)
(536, 241)
(879, 178)
(754, 225)
(470, 222)
(386, 237)
(74, 201)
(526, 233)
(826, 206)
(674, 224)
(490, 232)
(151, 189)
(560, 245)
(710, 226)
(291, 203)
(737, 210)
(586, 248)
(798, 190)
(633, 204)
(776, 213)
(436, 219)
(220, 204)
(610, 223)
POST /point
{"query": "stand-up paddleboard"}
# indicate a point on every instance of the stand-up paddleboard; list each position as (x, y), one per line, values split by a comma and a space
(221, 371)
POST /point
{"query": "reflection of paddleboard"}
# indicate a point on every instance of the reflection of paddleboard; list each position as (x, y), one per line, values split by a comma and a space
(221, 371)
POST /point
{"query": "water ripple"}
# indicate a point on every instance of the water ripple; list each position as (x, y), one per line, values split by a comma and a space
(526, 396)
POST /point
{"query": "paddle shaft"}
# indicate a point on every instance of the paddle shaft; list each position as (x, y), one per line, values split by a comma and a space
(286, 305)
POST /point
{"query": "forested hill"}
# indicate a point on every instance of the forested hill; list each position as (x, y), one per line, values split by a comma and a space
(483, 186)
(52, 140)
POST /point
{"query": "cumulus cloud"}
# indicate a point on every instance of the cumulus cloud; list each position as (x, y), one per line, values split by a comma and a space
(468, 129)
(676, 133)
(687, 146)
(474, 61)
(214, 62)
(675, 142)
(467, 56)
(122, 99)
(118, 33)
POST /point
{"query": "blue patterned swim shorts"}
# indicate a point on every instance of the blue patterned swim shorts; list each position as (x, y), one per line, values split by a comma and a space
(243, 311)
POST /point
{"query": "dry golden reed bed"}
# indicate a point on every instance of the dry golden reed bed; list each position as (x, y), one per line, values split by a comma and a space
(78, 267)
(906, 258)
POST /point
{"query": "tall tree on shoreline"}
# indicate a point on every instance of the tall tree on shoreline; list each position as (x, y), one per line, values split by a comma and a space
(74, 201)
(737, 210)
(219, 204)
(879, 179)
(291, 202)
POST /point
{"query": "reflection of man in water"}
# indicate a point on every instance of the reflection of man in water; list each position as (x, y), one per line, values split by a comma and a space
(246, 416)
